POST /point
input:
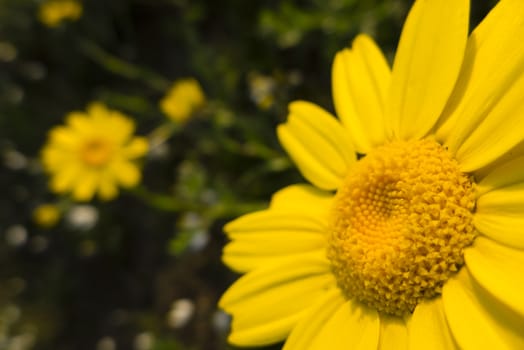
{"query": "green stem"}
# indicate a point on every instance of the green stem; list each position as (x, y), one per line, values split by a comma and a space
(121, 67)
(162, 133)
(158, 201)
(211, 212)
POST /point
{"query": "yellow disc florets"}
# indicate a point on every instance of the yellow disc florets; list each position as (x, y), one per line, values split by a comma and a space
(96, 152)
(399, 225)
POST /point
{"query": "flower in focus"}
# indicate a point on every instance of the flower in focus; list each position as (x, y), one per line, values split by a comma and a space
(46, 215)
(54, 12)
(183, 99)
(93, 153)
(410, 235)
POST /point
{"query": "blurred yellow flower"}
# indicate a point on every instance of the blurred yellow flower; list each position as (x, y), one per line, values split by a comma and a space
(46, 215)
(54, 12)
(93, 153)
(183, 99)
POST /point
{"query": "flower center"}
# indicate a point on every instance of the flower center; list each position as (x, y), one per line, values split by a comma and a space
(399, 225)
(96, 152)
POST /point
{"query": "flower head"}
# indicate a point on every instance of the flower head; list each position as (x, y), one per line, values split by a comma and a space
(183, 99)
(93, 153)
(46, 215)
(54, 12)
(410, 234)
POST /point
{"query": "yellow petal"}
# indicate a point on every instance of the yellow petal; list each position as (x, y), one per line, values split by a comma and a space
(302, 198)
(55, 159)
(267, 303)
(273, 220)
(81, 124)
(107, 189)
(506, 174)
(502, 228)
(86, 185)
(244, 255)
(505, 201)
(65, 179)
(428, 328)
(361, 79)
(318, 144)
(427, 64)
(269, 236)
(335, 323)
(498, 269)
(477, 320)
(120, 126)
(98, 111)
(63, 137)
(125, 172)
(492, 66)
(136, 148)
(393, 333)
(499, 215)
(501, 129)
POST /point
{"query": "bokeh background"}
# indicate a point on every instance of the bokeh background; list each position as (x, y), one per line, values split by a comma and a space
(143, 271)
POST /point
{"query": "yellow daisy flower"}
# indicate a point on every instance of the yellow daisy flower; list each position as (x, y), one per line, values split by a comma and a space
(93, 152)
(411, 235)
(183, 99)
(46, 215)
(53, 12)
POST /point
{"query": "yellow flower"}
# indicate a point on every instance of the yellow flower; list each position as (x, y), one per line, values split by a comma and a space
(411, 234)
(54, 12)
(183, 99)
(93, 152)
(46, 215)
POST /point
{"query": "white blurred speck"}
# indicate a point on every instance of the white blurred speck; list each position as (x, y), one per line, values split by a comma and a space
(11, 313)
(83, 217)
(34, 70)
(106, 343)
(181, 312)
(198, 240)
(221, 321)
(209, 196)
(8, 51)
(158, 150)
(144, 341)
(14, 160)
(295, 77)
(22, 341)
(16, 235)
(190, 220)
(14, 94)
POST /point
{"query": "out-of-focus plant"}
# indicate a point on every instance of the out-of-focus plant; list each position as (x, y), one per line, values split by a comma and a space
(46, 215)
(54, 12)
(94, 153)
(183, 100)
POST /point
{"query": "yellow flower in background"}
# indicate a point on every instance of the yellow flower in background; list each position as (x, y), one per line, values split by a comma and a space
(93, 153)
(46, 215)
(54, 12)
(183, 99)
(411, 235)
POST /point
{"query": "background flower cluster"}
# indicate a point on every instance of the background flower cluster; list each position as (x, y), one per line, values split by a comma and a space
(202, 84)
